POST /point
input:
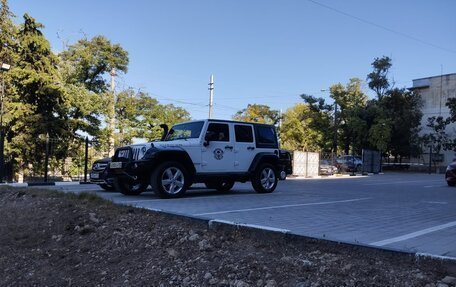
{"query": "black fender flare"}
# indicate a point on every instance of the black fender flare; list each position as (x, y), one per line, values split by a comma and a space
(175, 154)
(263, 157)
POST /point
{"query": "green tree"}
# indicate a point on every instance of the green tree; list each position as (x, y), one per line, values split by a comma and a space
(298, 130)
(8, 32)
(91, 61)
(351, 102)
(37, 108)
(438, 137)
(140, 116)
(395, 113)
(153, 114)
(127, 116)
(404, 109)
(8, 55)
(380, 134)
(378, 78)
(256, 113)
(321, 121)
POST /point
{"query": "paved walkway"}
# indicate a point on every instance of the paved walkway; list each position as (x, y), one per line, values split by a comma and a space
(410, 212)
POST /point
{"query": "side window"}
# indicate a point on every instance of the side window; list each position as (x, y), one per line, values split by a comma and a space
(243, 133)
(221, 130)
(266, 137)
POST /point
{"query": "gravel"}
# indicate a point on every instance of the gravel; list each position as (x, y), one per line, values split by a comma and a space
(49, 238)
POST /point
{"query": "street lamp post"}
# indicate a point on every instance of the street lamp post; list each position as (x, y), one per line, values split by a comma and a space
(4, 67)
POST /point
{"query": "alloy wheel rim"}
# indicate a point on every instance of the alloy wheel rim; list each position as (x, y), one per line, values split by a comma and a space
(267, 178)
(172, 180)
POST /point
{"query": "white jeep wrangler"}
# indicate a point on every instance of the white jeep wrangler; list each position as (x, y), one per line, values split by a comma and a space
(215, 152)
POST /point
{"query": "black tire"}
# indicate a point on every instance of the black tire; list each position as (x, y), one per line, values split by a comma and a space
(170, 180)
(107, 187)
(129, 186)
(221, 186)
(264, 178)
(450, 183)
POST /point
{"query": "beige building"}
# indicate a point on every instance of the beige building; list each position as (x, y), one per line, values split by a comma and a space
(434, 92)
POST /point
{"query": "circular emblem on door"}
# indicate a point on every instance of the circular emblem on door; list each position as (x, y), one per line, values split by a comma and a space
(218, 154)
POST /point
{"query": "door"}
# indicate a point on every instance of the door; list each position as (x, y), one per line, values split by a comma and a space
(218, 155)
(244, 146)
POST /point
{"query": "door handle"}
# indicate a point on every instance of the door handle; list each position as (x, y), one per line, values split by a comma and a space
(229, 147)
(250, 148)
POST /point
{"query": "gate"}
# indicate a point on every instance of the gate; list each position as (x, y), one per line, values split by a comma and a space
(371, 161)
(305, 163)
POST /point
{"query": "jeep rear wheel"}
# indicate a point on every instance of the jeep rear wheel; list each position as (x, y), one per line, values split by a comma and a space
(222, 185)
(170, 180)
(264, 179)
(129, 186)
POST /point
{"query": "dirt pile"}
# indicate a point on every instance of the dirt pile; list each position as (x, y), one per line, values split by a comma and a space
(55, 239)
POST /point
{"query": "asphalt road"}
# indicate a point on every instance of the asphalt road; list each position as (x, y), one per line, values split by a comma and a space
(410, 212)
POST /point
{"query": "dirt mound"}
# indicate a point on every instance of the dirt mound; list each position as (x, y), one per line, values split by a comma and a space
(55, 239)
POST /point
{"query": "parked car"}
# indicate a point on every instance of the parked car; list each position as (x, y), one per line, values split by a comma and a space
(326, 168)
(450, 174)
(217, 153)
(349, 163)
(98, 171)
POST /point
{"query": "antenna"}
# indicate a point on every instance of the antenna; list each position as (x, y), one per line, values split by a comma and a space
(211, 95)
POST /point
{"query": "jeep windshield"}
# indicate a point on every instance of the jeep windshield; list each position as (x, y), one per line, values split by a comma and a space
(185, 131)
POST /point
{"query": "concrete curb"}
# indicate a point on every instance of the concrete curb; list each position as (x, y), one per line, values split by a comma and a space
(259, 231)
(58, 183)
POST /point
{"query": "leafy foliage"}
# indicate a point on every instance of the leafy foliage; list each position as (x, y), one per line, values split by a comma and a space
(404, 108)
(258, 114)
(378, 78)
(140, 116)
(38, 97)
(92, 59)
(438, 137)
(65, 98)
(351, 102)
(299, 130)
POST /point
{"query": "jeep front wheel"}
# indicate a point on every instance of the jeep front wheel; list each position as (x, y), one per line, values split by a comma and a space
(129, 186)
(264, 178)
(169, 180)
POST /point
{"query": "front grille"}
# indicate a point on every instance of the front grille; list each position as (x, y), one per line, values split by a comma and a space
(99, 166)
(125, 154)
(136, 153)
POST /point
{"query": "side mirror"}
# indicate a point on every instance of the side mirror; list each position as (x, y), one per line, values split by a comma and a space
(210, 136)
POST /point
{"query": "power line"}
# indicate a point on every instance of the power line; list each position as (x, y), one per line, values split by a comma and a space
(382, 27)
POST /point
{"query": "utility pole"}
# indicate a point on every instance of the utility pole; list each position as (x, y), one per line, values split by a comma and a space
(211, 95)
(335, 132)
(86, 158)
(112, 120)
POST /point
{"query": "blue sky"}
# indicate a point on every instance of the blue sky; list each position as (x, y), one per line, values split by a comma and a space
(259, 51)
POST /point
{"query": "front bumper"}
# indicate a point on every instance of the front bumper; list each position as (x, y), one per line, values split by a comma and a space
(100, 177)
(450, 175)
(131, 170)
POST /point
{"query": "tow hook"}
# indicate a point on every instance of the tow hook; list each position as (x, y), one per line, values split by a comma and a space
(130, 176)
